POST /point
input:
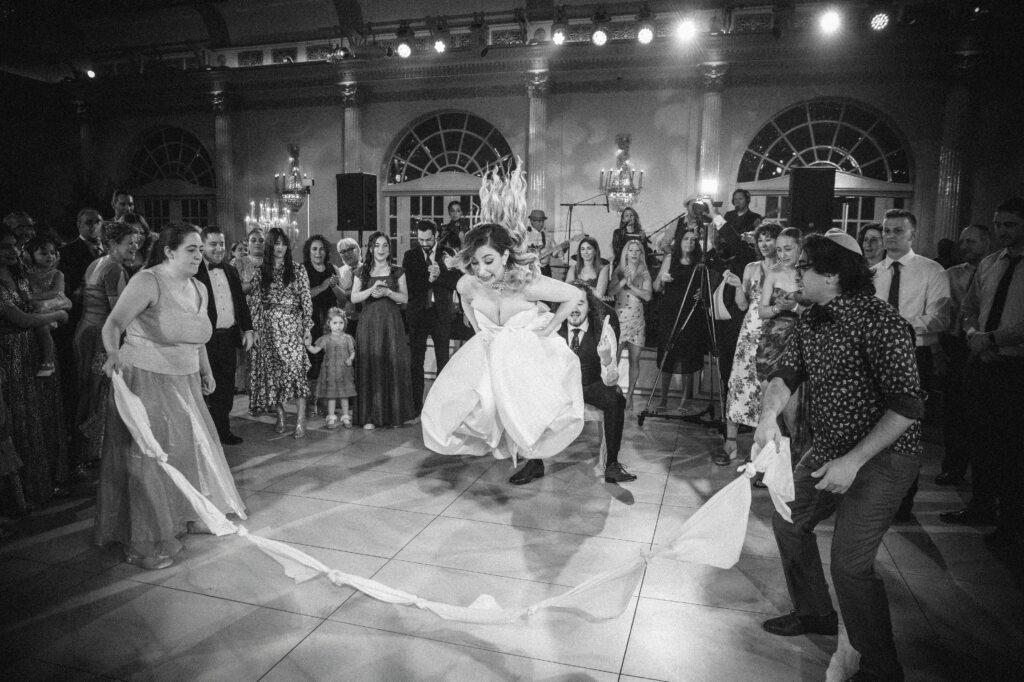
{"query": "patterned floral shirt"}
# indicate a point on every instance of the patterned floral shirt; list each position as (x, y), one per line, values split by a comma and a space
(857, 356)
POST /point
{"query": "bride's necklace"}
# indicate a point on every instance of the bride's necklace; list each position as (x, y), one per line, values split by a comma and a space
(500, 285)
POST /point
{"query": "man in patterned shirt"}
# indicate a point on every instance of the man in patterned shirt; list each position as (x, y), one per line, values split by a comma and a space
(856, 355)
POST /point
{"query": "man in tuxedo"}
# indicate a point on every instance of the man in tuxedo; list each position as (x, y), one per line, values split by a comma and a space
(430, 310)
(232, 328)
(596, 349)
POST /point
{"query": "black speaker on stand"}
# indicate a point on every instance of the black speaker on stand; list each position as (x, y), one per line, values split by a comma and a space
(357, 202)
(811, 191)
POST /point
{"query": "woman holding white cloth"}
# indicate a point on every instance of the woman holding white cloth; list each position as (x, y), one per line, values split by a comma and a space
(162, 313)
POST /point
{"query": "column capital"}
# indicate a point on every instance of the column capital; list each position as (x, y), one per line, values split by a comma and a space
(712, 75)
(538, 83)
(349, 93)
(218, 101)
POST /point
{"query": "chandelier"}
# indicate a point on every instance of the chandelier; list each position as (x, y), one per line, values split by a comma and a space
(270, 214)
(622, 184)
(292, 186)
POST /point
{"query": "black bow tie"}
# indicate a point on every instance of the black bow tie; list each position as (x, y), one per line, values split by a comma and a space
(818, 315)
(215, 266)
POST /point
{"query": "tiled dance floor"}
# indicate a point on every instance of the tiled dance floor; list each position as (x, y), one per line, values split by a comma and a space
(377, 504)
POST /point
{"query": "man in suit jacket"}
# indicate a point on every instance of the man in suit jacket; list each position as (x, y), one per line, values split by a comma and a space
(596, 348)
(232, 328)
(430, 310)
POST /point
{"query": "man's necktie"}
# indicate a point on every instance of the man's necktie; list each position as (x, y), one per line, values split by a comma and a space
(430, 288)
(894, 286)
(575, 343)
(214, 266)
(995, 314)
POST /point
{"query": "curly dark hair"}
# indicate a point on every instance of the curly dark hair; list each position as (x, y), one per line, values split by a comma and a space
(596, 308)
(770, 227)
(682, 227)
(367, 267)
(829, 258)
(275, 236)
(309, 242)
(39, 241)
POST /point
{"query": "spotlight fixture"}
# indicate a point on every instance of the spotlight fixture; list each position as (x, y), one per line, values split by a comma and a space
(600, 34)
(560, 27)
(644, 25)
(439, 34)
(686, 30)
(403, 41)
(830, 22)
(880, 20)
(90, 73)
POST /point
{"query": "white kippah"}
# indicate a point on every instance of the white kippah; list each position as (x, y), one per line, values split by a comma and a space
(844, 240)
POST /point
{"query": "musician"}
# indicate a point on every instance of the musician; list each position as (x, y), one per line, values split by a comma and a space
(452, 232)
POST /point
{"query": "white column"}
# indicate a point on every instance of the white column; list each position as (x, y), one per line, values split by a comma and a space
(949, 209)
(537, 86)
(351, 135)
(224, 168)
(713, 78)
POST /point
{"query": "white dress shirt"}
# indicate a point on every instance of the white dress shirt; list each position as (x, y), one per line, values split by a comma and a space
(1009, 336)
(609, 372)
(222, 298)
(924, 294)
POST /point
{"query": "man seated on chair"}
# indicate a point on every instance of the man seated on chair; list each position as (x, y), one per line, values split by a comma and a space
(596, 350)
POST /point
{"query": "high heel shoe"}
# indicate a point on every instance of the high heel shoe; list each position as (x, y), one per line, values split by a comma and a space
(149, 563)
(727, 454)
(300, 431)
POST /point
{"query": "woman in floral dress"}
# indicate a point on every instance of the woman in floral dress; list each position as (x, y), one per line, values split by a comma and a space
(631, 287)
(744, 397)
(282, 317)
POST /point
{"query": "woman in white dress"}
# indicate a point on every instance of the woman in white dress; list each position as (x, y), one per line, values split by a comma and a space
(514, 389)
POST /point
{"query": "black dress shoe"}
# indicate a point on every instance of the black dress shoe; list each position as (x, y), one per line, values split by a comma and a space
(534, 468)
(969, 516)
(614, 473)
(946, 478)
(793, 624)
(230, 439)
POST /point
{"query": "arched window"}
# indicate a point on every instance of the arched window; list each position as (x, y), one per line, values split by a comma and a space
(447, 142)
(873, 167)
(826, 132)
(171, 153)
(171, 175)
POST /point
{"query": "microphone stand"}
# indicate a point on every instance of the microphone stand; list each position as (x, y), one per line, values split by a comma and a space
(589, 201)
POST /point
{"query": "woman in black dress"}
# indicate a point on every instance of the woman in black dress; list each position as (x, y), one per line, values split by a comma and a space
(629, 228)
(383, 379)
(680, 348)
(325, 292)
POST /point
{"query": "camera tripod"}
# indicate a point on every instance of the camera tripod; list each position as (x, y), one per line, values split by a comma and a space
(699, 290)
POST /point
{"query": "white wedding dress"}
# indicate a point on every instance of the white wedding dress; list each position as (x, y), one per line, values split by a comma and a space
(507, 391)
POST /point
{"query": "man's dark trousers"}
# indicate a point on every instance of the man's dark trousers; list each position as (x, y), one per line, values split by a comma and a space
(220, 350)
(863, 514)
(423, 323)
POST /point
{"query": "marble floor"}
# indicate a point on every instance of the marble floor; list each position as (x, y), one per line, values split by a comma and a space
(378, 504)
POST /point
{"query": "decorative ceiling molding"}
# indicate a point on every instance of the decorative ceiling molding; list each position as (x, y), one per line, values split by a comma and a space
(216, 27)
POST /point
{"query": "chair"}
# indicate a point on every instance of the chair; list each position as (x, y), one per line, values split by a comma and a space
(592, 414)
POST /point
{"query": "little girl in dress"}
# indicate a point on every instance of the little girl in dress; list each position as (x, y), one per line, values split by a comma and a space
(47, 285)
(336, 380)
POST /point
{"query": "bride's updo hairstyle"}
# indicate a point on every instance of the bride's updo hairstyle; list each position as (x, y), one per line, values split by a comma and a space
(521, 266)
(502, 226)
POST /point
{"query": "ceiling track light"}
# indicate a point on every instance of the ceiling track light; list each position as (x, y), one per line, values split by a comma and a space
(403, 40)
(440, 36)
(686, 30)
(830, 21)
(645, 25)
(560, 27)
(600, 34)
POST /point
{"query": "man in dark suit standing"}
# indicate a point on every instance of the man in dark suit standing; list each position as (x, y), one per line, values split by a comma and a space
(596, 348)
(430, 310)
(232, 328)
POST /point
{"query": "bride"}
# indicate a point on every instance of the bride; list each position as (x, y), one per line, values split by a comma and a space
(514, 389)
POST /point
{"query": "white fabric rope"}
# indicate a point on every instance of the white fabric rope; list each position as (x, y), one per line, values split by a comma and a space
(714, 536)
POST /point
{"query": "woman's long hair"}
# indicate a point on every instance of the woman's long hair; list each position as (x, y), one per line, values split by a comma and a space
(635, 276)
(578, 265)
(597, 309)
(275, 236)
(521, 267)
(636, 220)
(171, 237)
(682, 227)
(367, 267)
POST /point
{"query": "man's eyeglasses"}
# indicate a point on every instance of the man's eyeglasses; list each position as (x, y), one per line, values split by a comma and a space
(803, 267)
